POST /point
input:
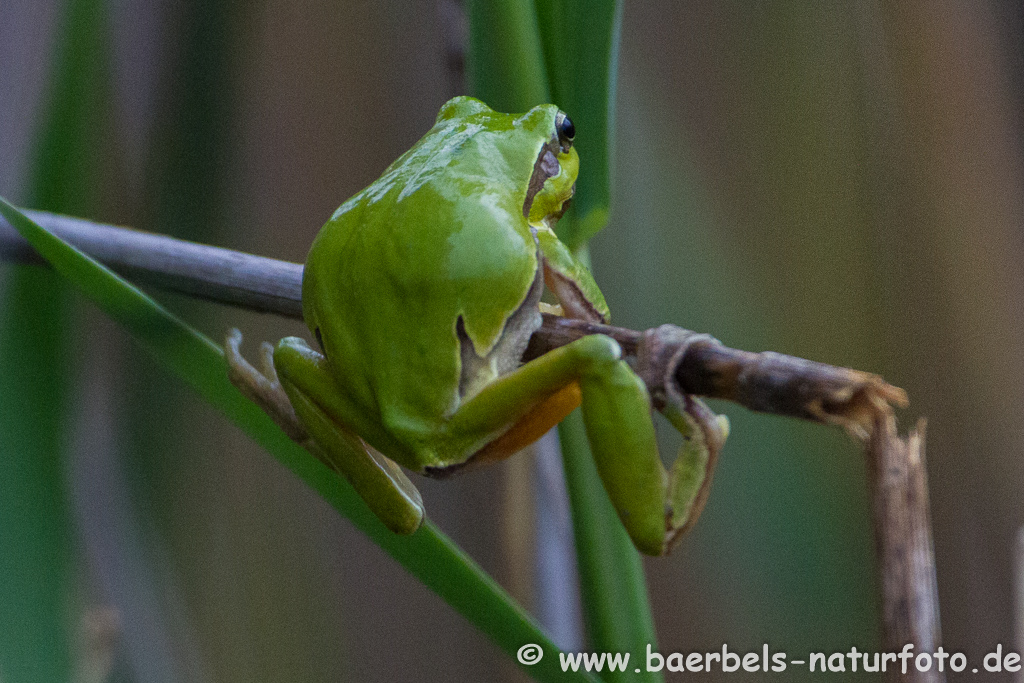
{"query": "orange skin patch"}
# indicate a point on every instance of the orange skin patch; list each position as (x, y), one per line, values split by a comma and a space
(532, 426)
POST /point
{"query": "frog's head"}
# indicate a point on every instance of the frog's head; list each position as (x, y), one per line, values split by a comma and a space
(554, 172)
(535, 150)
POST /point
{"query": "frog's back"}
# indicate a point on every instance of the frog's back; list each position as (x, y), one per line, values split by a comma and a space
(439, 238)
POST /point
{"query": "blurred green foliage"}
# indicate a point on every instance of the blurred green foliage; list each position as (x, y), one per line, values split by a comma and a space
(38, 621)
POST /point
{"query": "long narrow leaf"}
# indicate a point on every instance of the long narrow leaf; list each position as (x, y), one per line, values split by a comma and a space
(581, 47)
(615, 604)
(428, 554)
(505, 68)
(581, 54)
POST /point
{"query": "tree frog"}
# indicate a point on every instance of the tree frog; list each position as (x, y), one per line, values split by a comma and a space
(422, 292)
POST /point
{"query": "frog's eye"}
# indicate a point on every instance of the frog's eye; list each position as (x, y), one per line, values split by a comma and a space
(566, 131)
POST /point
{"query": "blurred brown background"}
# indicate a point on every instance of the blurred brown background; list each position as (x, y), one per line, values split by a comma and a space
(839, 181)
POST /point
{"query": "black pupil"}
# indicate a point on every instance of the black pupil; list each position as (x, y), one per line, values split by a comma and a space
(567, 130)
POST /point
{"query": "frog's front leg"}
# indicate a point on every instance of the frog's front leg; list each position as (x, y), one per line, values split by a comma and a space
(296, 383)
(655, 505)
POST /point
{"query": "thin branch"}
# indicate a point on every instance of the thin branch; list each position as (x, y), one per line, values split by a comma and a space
(694, 364)
(222, 275)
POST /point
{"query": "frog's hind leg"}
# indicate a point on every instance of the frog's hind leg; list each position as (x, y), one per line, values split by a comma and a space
(535, 424)
(616, 410)
(381, 483)
(654, 505)
(292, 389)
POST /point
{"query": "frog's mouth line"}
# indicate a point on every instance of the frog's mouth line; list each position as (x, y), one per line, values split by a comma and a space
(545, 167)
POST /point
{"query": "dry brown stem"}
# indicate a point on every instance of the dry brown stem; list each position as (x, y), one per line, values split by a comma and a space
(906, 559)
(767, 382)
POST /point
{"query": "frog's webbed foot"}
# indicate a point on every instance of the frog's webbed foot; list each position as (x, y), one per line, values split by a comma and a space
(263, 387)
(658, 357)
(704, 434)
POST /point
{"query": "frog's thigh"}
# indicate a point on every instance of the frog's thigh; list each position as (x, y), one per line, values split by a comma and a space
(379, 482)
(535, 424)
(616, 410)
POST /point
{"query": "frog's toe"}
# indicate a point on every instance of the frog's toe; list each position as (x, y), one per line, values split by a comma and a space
(262, 388)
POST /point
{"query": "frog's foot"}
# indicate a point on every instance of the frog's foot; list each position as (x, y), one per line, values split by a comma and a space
(263, 388)
(658, 358)
(704, 434)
